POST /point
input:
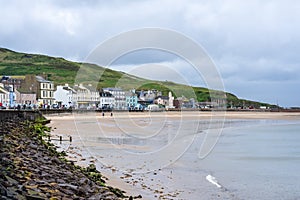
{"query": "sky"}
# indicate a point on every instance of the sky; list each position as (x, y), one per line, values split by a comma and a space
(254, 45)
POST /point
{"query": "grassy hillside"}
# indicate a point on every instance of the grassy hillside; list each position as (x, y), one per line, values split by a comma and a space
(62, 71)
(57, 69)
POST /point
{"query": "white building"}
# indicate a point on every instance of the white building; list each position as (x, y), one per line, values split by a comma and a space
(119, 95)
(171, 101)
(162, 100)
(4, 96)
(64, 95)
(149, 95)
(86, 97)
(107, 101)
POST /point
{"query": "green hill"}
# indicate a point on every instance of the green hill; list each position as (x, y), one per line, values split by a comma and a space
(62, 71)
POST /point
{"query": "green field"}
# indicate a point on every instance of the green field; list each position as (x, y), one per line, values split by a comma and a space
(62, 71)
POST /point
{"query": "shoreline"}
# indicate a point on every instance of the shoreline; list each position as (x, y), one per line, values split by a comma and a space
(175, 114)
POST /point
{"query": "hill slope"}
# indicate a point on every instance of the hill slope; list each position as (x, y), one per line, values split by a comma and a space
(62, 71)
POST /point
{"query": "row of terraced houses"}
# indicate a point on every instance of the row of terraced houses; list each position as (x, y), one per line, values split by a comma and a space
(36, 91)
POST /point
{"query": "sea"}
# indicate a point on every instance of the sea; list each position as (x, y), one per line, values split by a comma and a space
(192, 158)
(259, 161)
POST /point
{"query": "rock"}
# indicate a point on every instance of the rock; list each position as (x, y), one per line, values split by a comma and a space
(66, 191)
(4, 154)
(34, 197)
(56, 160)
(6, 161)
(30, 169)
(83, 181)
(53, 184)
(66, 198)
(4, 198)
(54, 198)
(59, 180)
(74, 187)
(33, 146)
(11, 181)
(82, 191)
(31, 187)
(3, 190)
(127, 175)
(95, 196)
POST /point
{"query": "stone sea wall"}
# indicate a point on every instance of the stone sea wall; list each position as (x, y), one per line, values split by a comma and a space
(30, 115)
(31, 168)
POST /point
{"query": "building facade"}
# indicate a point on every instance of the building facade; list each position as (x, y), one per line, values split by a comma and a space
(25, 98)
(119, 95)
(131, 100)
(14, 82)
(45, 91)
(162, 100)
(4, 96)
(63, 96)
(107, 101)
(85, 97)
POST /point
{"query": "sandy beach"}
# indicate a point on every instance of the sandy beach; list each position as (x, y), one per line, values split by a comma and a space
(125, 136)
(203, 115)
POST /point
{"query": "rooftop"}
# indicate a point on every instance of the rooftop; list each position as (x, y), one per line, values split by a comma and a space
(42, 80)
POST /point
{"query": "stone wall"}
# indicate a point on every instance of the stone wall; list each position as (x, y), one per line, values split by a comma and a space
(14, 114)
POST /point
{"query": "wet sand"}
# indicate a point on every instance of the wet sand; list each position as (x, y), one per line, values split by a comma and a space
(155, 182)
(203, 115)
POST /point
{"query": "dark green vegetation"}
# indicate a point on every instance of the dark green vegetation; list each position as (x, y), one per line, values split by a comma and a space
(31, 168)
(62, 71)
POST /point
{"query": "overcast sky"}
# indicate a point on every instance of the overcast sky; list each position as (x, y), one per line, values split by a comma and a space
(255, 44)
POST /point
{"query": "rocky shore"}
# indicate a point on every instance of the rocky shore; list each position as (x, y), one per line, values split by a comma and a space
(31, 168)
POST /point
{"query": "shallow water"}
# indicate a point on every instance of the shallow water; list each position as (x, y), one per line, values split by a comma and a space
(253, 159)
(258, 162)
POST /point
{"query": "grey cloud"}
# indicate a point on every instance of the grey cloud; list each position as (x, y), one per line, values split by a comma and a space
(238, 35)
(258, 70)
